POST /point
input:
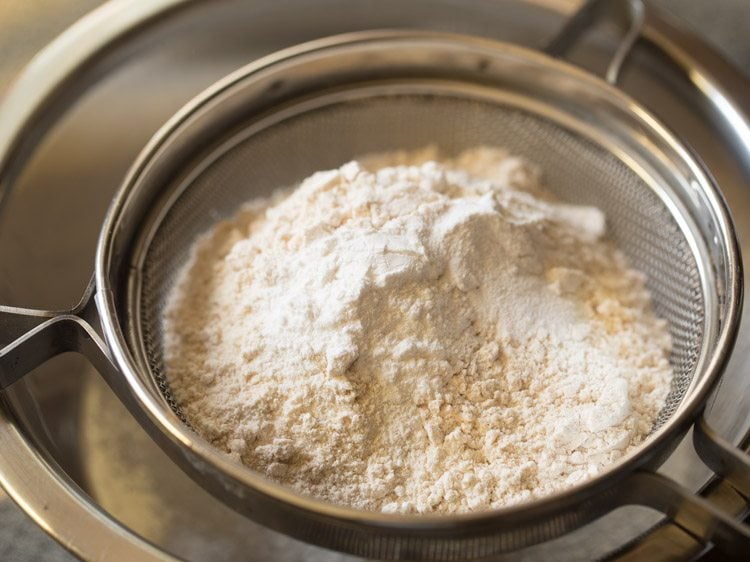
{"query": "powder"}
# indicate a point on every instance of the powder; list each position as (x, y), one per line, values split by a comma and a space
(411, 334)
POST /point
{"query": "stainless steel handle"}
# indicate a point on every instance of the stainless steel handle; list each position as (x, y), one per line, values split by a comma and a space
(628, 14)
(30, 337)
(721, 457)
(54, 501)
(693, 514)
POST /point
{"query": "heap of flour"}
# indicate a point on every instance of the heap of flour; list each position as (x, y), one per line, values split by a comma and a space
(406, 334)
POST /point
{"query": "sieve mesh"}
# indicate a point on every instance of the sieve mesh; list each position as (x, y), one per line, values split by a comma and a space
(575, 169)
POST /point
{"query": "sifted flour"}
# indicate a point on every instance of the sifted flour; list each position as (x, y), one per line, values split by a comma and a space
(411, 335)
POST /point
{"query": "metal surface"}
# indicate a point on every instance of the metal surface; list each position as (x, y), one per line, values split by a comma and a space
(54, 502)
(52, 82)
(630, 14)
(32, 337)
(722, 458)
(696, 516)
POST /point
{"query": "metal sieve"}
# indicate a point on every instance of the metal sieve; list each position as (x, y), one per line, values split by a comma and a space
(317, 105)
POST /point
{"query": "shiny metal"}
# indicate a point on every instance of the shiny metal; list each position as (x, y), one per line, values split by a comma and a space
(54, 502)
(61, 526)
(629, 14)
(722, 458)
(717, 81)
(693, 514)
(49, 84)
(31, 337)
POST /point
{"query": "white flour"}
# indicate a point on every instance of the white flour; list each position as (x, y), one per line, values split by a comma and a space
(410, 336)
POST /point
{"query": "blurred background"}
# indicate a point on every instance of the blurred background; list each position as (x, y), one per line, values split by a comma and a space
(26, 26)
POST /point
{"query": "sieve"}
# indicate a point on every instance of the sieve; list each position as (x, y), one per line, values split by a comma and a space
(317, 105)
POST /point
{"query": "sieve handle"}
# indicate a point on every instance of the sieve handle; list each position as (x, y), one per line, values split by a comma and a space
(694, 514)
(30, 337)
(628, 14)
(721, 457)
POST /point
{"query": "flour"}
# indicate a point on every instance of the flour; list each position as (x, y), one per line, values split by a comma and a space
(405, 334)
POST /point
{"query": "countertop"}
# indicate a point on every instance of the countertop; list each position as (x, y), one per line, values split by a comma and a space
(27, 25)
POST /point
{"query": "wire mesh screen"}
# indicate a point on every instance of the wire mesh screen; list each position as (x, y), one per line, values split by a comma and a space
(575, 169)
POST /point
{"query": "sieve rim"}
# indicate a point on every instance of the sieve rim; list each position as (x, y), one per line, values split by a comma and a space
(167, 423)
